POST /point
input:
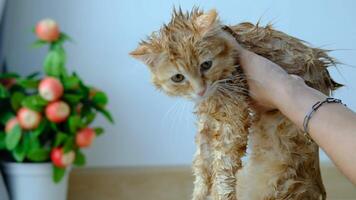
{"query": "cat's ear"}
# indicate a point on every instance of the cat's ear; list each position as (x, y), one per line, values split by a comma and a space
(145, 54)
(205, 21)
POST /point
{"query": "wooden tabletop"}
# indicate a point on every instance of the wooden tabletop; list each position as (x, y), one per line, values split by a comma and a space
(166, 183)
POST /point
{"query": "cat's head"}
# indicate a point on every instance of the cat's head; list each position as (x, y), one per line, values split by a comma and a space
(189, 55)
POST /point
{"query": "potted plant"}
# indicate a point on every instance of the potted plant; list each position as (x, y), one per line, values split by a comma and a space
(45, 122)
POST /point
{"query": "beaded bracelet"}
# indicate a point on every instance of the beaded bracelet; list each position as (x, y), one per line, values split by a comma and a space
(314, 108)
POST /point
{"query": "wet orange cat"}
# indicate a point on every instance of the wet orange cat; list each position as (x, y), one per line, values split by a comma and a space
(195, 56)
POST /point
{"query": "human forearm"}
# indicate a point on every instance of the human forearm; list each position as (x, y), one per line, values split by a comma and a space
(332, 127)
(295, 99)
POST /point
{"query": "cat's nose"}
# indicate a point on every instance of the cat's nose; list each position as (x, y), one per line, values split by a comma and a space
(202, 92)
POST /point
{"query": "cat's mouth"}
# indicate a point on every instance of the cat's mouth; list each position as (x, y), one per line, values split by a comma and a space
(207, 91)
(203, 92)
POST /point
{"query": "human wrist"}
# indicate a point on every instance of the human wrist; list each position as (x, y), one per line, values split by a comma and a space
(281, 88)
(296, 99)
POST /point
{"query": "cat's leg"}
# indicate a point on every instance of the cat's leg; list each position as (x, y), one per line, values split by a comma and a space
(201, 165)
(228, 149)
(202, 179)
(282, 164)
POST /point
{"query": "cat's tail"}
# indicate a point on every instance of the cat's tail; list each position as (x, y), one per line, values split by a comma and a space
(322, 78)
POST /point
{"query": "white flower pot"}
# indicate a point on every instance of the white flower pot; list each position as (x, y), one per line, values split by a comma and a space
(33, 181)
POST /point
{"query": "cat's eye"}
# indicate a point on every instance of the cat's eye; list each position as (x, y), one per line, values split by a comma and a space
(177, 78)
(205, 66)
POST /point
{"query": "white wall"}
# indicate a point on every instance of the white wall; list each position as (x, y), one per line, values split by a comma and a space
(152, 129)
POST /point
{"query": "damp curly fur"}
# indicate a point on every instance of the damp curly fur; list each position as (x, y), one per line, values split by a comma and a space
(283, 163)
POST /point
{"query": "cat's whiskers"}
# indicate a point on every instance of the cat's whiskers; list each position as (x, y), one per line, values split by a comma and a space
(188, 119)
(230, 84)
(235, 86)
(231, 90)
(181, 113)
(167, 113)
(170, 114)
(177, 117)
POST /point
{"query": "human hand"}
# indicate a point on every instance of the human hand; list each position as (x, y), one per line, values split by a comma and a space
(267, 81)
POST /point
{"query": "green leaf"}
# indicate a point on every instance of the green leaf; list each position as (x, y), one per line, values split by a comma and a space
(27, 142)
(58, 174)
(6, 116)
(98, 131)
(34, 142)
(54, 126)
(79, 158)
(4, 93)
(65, 37)
(8, 75)
(86, 109)
(39, 43)
(35, 102)
(74, 123)
(54, 64)
(105, 113)
(68, 145)
(100, 98)
(16, 100)
(13, 137)
(27, 83)
(19, 153)
(71, 82)
(38, 155)
(40, 129)
(62, 38)
(72, 98)
(2, 140)
(89, 118)
(60, 139)
(33, 75)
